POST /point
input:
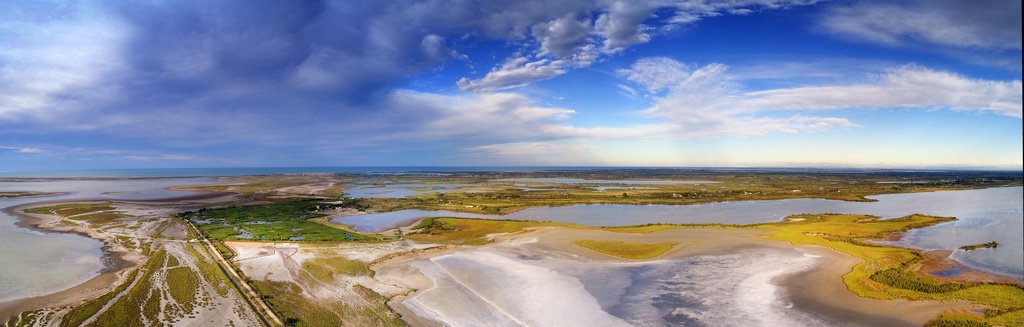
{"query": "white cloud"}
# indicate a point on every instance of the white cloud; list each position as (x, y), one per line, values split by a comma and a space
(622, 25)
(704, 102)
(44, 76)
(629, 91)
(486, 116)
(657, 73)
(564, 36)
(527, 151)
(583, 36)
(162, 157)
(979, 24)
(905, 87)
(30, 150)
(516, 72)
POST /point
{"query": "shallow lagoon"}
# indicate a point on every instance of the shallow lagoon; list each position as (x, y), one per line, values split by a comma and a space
(35, 263)
(984, 215)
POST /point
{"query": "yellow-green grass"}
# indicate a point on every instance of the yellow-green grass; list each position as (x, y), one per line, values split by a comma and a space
(958, 320)
(325, 268)
(79, 314)
(183, 285)
(287, 301)
(627, 250)
(127, 309)
(72, 209)
(211, 273)
(883, 273)
(471, 231)
(496, 198)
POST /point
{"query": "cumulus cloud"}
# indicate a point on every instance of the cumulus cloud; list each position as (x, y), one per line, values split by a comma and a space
(563, 36)
(582, 37)
(184, 75)
(989, 24)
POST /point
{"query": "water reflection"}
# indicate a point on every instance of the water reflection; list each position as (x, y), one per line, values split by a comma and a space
(983, 216)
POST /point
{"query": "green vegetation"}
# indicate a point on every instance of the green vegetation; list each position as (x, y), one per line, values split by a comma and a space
(93, 213)
(324, 268)
(471, 231)
(267, 214)
(72, 209)
(183, 284)
(79, 314)
(973, 247)
(289, 220)
(958, 320)
(503, 197)
(209, 270)
(129, 307)
(627, 250)
(287, 301)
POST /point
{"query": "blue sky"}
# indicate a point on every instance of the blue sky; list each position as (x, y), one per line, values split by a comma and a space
(164, 84)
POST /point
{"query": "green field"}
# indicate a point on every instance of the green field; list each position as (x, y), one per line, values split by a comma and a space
(627, 250)
(289, 220)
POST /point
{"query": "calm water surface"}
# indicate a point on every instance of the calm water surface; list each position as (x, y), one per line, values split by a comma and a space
(984, 215)
(34, 263)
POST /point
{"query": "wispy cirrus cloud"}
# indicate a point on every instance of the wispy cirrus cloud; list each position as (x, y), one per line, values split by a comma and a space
(977, 24)
(909, 86)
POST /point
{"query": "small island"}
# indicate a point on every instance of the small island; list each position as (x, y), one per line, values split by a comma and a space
(15, 195)
(627, 250)
(972, 247)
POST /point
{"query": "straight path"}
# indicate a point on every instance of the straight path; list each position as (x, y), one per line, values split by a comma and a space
(255, 302)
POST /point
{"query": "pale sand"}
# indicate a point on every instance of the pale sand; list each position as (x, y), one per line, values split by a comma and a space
(819, 290)
(122, 260)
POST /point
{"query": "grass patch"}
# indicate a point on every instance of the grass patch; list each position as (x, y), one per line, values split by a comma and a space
(183, 285)
(324, 268)
(627, 250)
(279, 221)
(471, 231)
(71, 209)
(99, 218)
(286, 300)
(211, 273)
(128, 309)
(80, 313)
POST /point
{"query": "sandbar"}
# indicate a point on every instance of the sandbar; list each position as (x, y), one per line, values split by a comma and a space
(819, 291)
(122, 261)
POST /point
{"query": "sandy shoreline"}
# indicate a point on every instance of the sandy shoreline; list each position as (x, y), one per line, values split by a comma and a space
(819, 290)
(122, 261)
